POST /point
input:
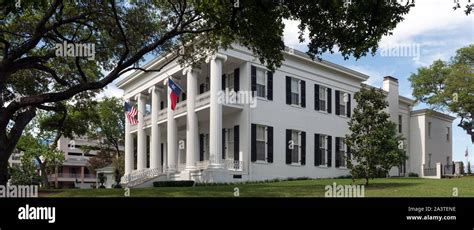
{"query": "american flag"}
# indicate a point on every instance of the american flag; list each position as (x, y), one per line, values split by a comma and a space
(131, 112)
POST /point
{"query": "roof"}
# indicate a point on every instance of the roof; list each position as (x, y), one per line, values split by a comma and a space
(432, 113)
(163, 59)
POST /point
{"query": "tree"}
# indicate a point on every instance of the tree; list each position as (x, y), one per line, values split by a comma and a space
(35, 149)
(102, 179)
(449, 86)
(26, 173)
(108, 125)
(36, 75)
(373, 139)
(469, 168)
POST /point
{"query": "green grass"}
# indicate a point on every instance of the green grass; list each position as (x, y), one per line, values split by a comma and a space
(390, 187)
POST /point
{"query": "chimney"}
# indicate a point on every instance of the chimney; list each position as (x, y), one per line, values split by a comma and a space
(390, 85)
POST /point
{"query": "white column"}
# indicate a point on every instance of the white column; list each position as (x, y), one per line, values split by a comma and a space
(172, 136)
(155, 139)
(215, 131)
(141, 135)
(192, 132)
(129, 158)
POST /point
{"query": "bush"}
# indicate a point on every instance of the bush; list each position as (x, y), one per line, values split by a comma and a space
(179, 183)
(412, 174)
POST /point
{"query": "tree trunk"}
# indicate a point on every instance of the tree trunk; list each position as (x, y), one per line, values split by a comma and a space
(4, 166)
(44, 175)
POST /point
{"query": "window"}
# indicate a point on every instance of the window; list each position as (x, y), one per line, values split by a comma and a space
(448, 133)
(448, 160)
(261, 86)
(295, 137)
(229, 81)
(340, 152)
(229, 136)
(342, 103)
(323, 149)
(322, 98)
(204, 86)
(261, 143)
(429, 129)
(295, 91)
(400, 123)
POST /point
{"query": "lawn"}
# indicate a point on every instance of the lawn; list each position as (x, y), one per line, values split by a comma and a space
(386, 187)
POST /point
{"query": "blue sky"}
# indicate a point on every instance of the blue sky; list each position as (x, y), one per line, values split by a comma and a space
(432, 25)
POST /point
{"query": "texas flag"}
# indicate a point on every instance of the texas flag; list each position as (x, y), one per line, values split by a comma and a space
(175, 93)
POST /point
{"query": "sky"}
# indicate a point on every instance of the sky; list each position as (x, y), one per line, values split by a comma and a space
(432, 30)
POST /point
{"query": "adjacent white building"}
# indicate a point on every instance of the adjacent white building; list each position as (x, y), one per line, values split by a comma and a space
(293, 125)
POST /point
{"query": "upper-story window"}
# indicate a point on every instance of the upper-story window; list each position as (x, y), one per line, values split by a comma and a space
(229, 81)
(322, 98)
(261, 83)
(295, 92)
(342, 103)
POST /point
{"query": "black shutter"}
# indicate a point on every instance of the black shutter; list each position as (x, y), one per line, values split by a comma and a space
(201, 88)
(329, 158)
(303, 148)
(236, 143)
(269, 85)
(338, 157)
(270, 144)
(162, 148)
(223, 144)
(329, 103)
(317, 155)
(236, 80)
(287, 145)
(288, 90)
(316, 97)
(348, 105)
(253, 79)
(223, 81)
(253, 137)
(201, 147)
(303, 94)
(337, 102)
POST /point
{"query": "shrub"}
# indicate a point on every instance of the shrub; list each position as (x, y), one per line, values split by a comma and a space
(412, 174)
(179, 183)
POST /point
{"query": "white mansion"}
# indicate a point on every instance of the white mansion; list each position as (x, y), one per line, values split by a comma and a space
(294, 126)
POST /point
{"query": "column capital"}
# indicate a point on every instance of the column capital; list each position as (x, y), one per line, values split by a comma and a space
(155, 88)
(216, 56)
(191, 69)
(140, 95)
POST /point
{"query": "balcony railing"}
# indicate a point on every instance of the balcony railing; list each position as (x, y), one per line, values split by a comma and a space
(233, 165)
